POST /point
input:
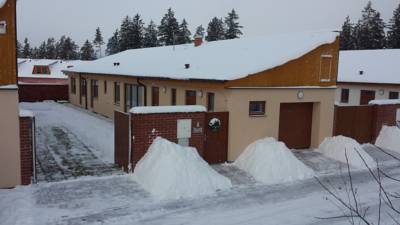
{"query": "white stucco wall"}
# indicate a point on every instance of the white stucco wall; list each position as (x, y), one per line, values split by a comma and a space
(355, 92)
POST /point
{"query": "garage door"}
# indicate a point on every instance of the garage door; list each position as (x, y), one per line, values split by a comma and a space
(295, 122)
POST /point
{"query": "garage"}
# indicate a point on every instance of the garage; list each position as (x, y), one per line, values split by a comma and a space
(295, 124)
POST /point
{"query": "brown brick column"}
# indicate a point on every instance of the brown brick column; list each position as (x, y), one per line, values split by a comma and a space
(383, 115)
(25, 124)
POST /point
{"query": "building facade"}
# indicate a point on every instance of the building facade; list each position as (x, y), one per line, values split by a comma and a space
(292, 101)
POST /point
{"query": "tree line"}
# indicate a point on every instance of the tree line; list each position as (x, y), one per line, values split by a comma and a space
(371, 32)
(133, 33)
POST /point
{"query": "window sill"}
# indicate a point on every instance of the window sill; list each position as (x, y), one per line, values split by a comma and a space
(261, 115)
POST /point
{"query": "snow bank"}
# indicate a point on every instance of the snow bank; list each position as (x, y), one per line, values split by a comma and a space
(389, 138)
(385, 102)
(337, 148)
(170, 171)
(271, 162)
(26, 113)
(168, 109)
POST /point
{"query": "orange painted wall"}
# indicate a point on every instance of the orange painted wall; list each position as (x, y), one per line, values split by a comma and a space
(8, 64)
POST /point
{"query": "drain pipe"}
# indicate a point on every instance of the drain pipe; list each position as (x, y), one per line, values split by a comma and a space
(145, 91)
(130, 169)
(33, 125)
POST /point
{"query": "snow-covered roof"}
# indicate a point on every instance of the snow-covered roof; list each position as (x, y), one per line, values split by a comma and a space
(25, 67)
(219, 60)
(168, 109)
(2, 3)
(370, 66)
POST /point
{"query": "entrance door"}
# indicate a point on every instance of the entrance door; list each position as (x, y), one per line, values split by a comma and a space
(84, 91)
(216, 146)
(295, 123)
(366, 97)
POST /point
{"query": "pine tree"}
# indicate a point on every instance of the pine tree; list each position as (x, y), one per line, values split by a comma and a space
(67, 49)
(150, 35)
(346, 36)
(370, 32)
(215, 30)
(168, 29)
(98, 41)
(26, 50)
(51, 52)
(34, 53)
(87, 51)
(19, 50)
(125, 34)
(199, 31)
(233, 28)
(394, 29)
(184, 34)
(113, 44)
(41, 51)
(137, 32)
(59, 47)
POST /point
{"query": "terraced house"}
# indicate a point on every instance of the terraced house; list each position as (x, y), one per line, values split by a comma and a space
(281, 86)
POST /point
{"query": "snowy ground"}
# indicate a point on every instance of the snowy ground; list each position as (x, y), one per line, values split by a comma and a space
(119, 200)
(71, 142)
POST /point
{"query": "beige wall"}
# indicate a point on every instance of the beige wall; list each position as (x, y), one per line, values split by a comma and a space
(10, 173)
(104, 104)
(355, 92)
(244, 129)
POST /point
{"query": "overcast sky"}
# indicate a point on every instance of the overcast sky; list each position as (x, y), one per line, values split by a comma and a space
(40, 19)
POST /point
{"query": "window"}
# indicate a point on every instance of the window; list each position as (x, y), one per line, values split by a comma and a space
(83, 87)
(190, 97)
(155, 96)
(116, 93)
(366, 96)
(326, 67)
(134, 96)
(73, 85)
(173, 96)
(41, 70)
(95, 88)
(344, 98)
(257, 108)
(393, 95)
(210, 101)
(105, 87)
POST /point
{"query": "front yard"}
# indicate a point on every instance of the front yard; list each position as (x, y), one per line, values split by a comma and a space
(74, 143)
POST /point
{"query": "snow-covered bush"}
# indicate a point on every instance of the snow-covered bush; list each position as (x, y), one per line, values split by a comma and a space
(389, 138)
(171, 171)
(271, 162)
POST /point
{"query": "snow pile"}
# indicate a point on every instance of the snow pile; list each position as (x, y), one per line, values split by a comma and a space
(384, 102)
(271, 162)
(337, 148)
(389, 138)
(170, 171)
(168, 109)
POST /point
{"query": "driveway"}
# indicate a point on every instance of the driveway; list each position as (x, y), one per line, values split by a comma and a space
(67, 142)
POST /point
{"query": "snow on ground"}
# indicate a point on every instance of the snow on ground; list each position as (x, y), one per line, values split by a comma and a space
(338, 147)
(271, 162)
(119, 200)
(389, 138)
(170, 171)
(95, 131)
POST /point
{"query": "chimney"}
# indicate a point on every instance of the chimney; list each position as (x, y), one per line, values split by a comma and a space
(198, 40)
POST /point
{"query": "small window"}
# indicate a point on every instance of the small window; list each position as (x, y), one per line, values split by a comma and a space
(326, 67)
(116, 93)
(257, 108)
(95, 89)
(105, 87)
(173, 96)
(190, 97)
(344, 98)
(73, 85)
(155, 96)
(83, 87)
(210, 101)
(393, 95)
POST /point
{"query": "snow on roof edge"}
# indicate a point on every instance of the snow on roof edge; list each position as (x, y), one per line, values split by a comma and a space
(167, 109)
(385, 102)
(26, 113)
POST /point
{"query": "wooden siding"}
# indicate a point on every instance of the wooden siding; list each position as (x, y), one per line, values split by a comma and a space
(8, 59)
(304, 71)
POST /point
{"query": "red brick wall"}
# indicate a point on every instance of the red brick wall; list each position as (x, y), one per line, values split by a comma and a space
(383, 115)
(25, 125)
(38, 93)
(146, 127)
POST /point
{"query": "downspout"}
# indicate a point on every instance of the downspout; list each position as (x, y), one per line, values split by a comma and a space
(130, 169)
(145, 91)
